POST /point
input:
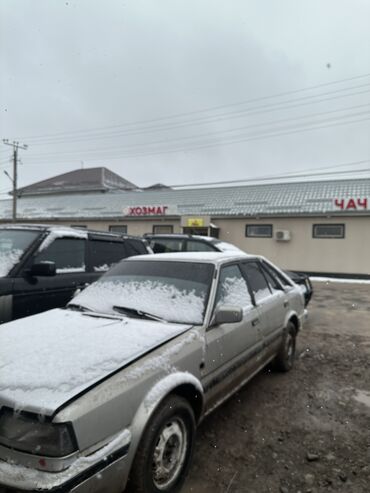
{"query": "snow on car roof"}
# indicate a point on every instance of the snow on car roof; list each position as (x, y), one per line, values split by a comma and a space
(209, 257)
(181, 236)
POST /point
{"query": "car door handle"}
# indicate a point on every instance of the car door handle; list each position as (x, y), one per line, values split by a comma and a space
(286, 303)
(255, 321)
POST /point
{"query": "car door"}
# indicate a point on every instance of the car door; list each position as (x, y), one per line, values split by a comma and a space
(34, 294)
(270, 301)
(231, 350)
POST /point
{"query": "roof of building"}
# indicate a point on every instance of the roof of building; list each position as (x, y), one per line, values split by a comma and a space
(77, 181)
(278, 199)
(157, 186)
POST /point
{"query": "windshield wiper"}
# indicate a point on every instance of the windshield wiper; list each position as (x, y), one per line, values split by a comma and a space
(137, 313)
(78, 308)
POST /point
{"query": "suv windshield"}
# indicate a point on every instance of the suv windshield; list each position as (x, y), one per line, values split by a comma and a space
(13, 243)
(172, 291)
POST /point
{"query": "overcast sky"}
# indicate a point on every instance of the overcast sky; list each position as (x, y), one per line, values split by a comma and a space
(184, 91)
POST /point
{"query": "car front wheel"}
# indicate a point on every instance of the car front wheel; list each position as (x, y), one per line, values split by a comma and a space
(164, 453)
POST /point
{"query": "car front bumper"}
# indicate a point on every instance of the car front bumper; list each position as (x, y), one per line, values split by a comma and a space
(105, 470)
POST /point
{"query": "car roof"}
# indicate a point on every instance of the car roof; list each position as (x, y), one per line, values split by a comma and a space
(203, 257)
(56, 227)
(39, 227)
(181, 236)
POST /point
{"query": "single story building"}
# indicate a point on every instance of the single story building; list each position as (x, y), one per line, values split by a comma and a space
(320, 227)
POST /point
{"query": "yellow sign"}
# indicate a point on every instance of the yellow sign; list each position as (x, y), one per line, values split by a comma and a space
(195, 222)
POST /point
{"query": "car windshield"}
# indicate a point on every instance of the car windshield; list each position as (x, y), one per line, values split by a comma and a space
(13, 244)
(172, 291)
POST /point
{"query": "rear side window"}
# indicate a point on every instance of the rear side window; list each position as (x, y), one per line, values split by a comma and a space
(276, 274)
(257, 280)
(103, 254)
(198, 246)
(272, 279)
(67, 253)
(166, 245)
(135, 247)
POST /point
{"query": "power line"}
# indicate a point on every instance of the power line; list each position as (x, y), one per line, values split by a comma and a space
(211, 109)
(172, 127)
(302, 174)
(198, 145)
(213, 133)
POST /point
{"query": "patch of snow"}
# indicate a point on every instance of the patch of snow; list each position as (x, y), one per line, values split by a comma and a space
(69, 270)
(262, 294)
(223, 246)
(165, 385)
(62, 233)
(8, 260)
(32, 479)
(48, 358)
(152, 364)
(162, 300)
(101, 268)
(213, 257)
(162, 361)
(334, 280)
(363, 396)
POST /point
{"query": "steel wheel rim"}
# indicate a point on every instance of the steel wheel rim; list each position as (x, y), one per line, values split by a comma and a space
(169, 453)
(289, 348)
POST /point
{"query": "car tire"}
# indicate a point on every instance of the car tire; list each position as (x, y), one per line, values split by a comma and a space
(165, 451)
(285, 358)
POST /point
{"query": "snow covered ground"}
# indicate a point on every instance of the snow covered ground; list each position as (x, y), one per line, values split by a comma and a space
(339, 280)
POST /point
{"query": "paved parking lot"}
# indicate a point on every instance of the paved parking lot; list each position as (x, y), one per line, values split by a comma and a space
(307, 431)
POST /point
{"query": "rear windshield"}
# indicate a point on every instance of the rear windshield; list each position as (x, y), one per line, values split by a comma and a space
(13, 244)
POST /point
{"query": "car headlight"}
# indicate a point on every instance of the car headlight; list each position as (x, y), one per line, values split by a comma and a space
(28, 433)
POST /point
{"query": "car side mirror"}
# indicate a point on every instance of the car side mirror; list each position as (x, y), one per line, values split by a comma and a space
(44, 269)
(228, 314)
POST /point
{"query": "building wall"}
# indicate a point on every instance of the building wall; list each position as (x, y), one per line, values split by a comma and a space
(349, 255)
(134, 227)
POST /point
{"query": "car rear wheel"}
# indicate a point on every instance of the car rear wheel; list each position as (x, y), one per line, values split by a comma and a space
(164, 453)
(285, 358)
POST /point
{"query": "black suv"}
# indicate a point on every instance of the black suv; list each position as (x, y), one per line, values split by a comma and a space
(193, 243)
(168, 243)
(42, 266)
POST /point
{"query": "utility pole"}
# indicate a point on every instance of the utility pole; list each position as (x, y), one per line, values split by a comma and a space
(16, 145)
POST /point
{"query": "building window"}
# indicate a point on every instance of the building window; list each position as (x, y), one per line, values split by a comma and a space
(79, 226)
(121, 228)
(258, 230)
(162, 229)
(328, 231)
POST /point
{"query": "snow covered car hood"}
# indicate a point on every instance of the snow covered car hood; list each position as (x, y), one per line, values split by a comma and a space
(49, 358)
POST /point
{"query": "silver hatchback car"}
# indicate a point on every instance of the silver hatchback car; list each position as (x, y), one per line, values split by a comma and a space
(106, 394)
